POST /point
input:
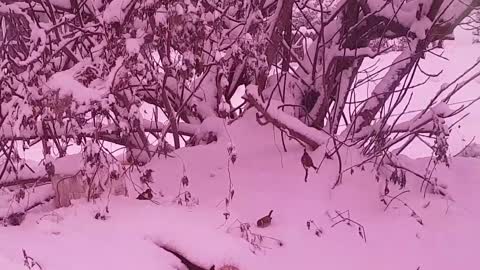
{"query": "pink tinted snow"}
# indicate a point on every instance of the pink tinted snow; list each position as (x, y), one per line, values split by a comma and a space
(263, 179)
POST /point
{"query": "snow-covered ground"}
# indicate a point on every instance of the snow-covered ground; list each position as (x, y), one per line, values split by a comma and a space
(263, 179)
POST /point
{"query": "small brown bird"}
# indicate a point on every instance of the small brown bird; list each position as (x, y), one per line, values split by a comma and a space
(265, 221)
(15, 219)
(307, 161)
(146, 195)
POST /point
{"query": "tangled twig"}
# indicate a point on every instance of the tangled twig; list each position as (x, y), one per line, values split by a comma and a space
(254, 239)
(347, 220)
(30, 262)
(396, 197)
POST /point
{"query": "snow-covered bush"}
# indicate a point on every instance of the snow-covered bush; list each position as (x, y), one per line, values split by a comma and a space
(85, 72)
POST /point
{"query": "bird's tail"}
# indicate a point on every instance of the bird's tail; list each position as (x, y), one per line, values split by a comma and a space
(270, 214)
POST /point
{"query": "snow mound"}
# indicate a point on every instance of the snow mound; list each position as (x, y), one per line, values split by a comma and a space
(134, 233)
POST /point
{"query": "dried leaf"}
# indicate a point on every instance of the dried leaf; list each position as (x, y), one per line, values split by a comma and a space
(419, 220)
(427, 204)
(20, 195)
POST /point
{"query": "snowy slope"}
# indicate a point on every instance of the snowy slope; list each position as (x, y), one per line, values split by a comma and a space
(263, 178)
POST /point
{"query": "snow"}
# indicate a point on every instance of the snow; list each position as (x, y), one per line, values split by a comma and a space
(105, 246)
(213, 124)
(458, 55)
(10, 265)
(471, 150)
(115, 11)
(403, 12)
(451, 9)
(61, 3)
(9, 205)
(262, 184)
(24, 173)
(133, 45)
(420, 27)
(179, 9)
(424, 120)
(37, 36)
(219, 55)
(161, 16)
(362, 51)
(68, 165)
(289, 121)
(263, 179)
(209, 17)
(66, 85)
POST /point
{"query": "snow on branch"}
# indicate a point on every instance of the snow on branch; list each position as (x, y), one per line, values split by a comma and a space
(66, 85)
(423, 122)
(382, 91)
(308, 135)
(74, 75)
(107, 132)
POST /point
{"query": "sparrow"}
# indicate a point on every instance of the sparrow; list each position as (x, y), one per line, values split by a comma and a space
(15, 219)
(265, 221)
(146, 195)
(307, 161)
